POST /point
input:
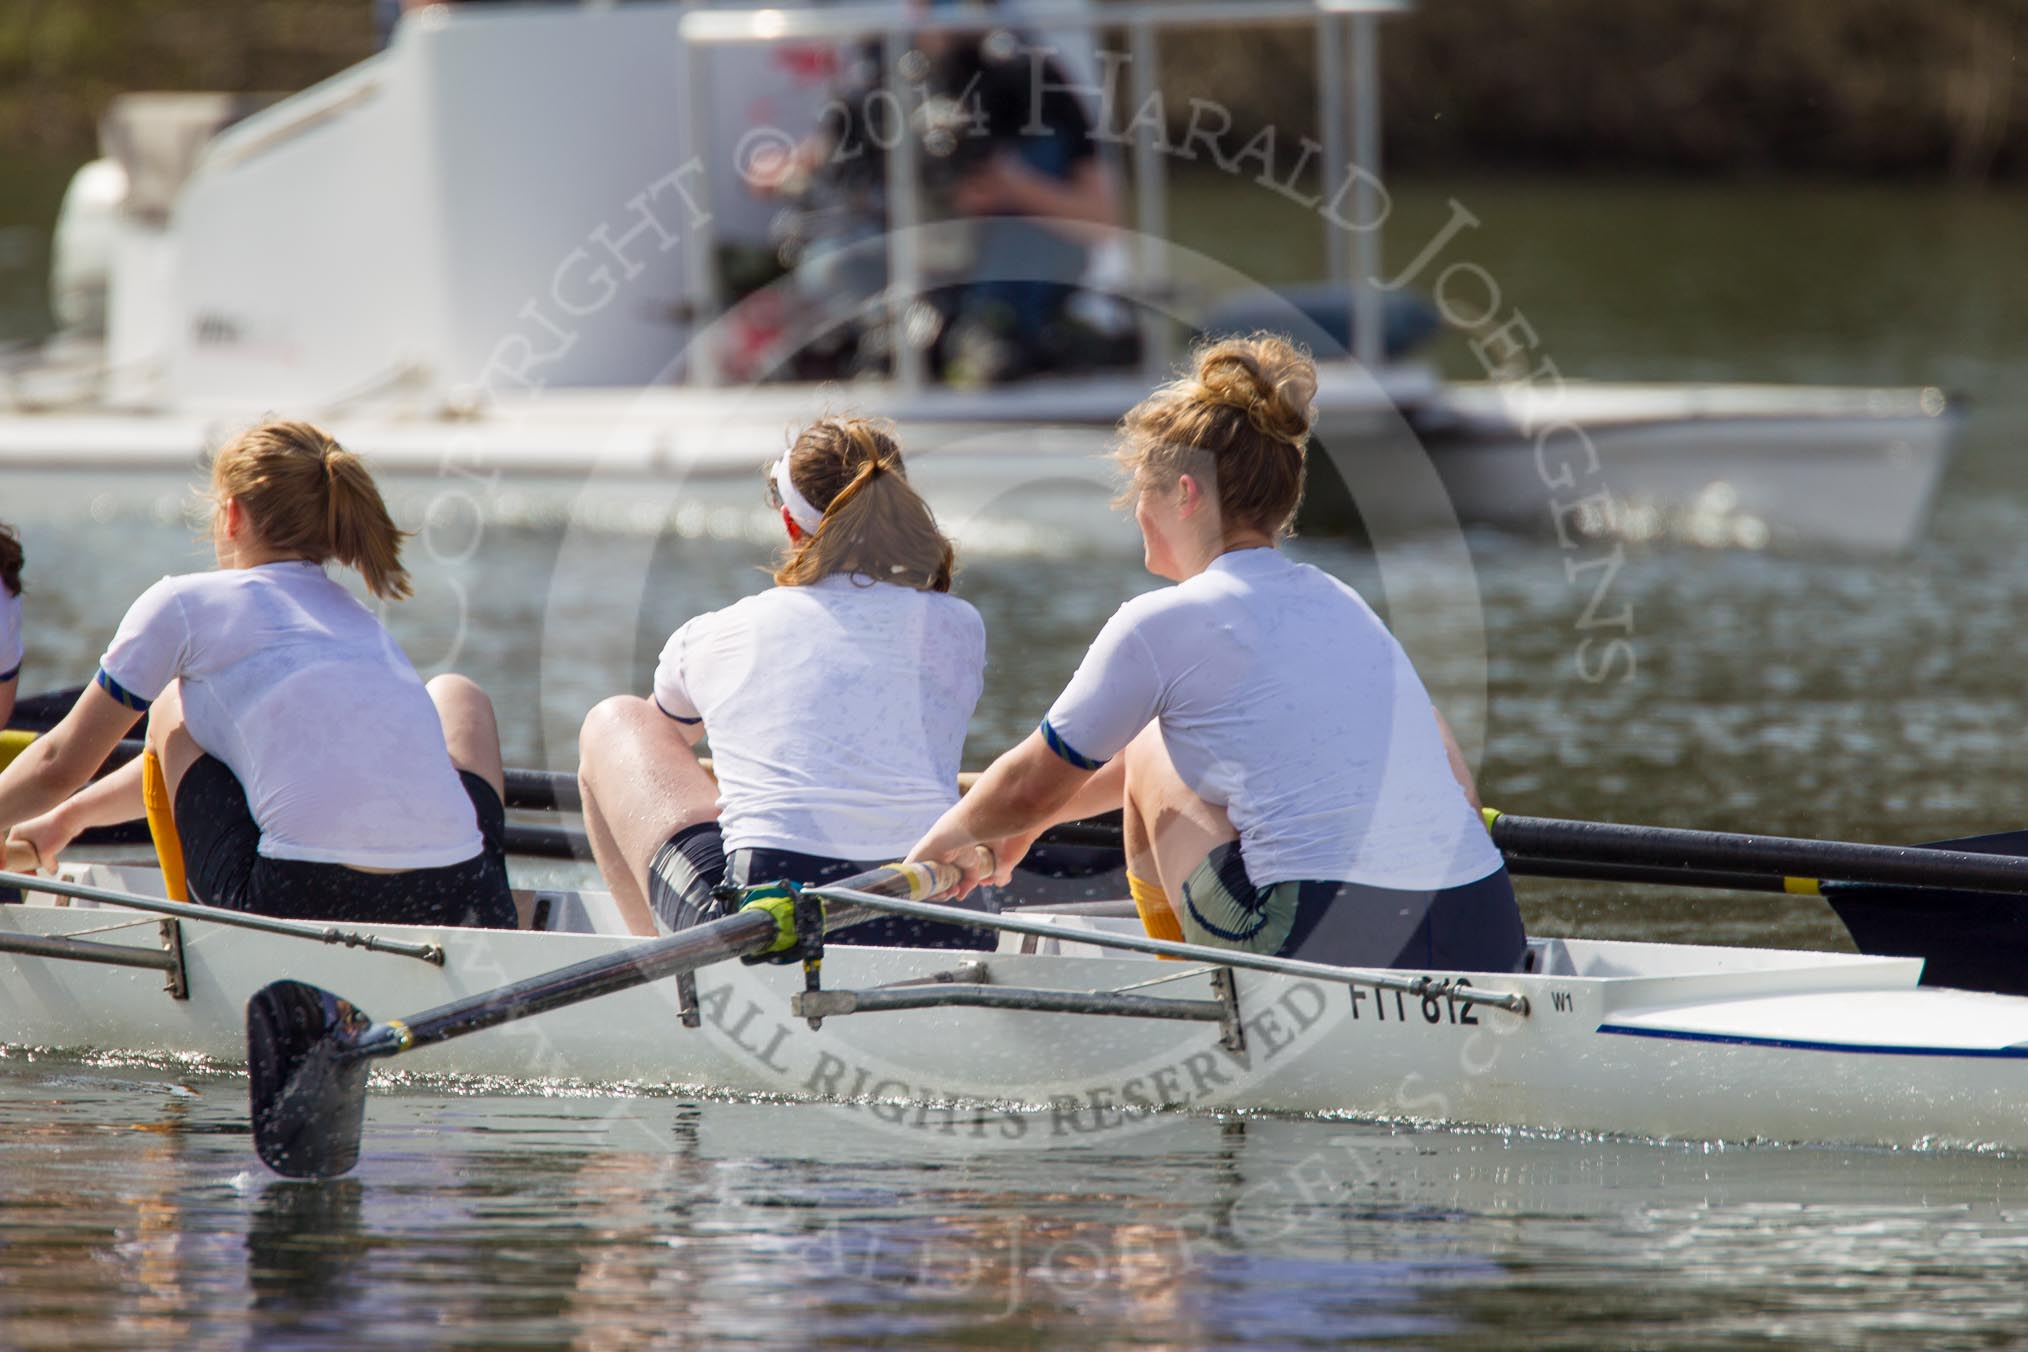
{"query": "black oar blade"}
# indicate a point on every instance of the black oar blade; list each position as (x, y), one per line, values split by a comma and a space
(309, 1089)
(1973, 941)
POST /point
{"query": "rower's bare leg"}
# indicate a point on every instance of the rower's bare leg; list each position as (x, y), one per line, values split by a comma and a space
(471, 732)
(175, 749)
(1168, 827)
(641, 784)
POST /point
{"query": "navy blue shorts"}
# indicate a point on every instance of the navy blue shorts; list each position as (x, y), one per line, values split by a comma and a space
(692, 863)
(1474, 927)
(224, 865)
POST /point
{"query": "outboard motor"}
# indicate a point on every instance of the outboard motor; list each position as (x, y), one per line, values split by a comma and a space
(81, 255)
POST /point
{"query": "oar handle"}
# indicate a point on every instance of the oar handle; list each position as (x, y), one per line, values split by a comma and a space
(1798, 862)
(20, 857)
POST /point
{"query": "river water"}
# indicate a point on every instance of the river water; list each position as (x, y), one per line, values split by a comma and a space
(1838, 697)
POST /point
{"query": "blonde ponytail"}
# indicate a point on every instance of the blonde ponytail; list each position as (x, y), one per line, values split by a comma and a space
(874, 523)
(305, 494)
(361, 533)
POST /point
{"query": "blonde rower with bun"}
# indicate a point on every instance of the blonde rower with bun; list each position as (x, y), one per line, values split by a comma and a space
(836, 703)
(1288, 787)
(312, 772)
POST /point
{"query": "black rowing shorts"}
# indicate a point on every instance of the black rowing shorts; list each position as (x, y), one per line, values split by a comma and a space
(222, 858)
(692, 863)
(1474, 927)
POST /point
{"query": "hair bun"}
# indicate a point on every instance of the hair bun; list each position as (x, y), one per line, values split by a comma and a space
(1268, 376)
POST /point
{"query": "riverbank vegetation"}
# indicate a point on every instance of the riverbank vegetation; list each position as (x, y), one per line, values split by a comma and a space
(1865, 87)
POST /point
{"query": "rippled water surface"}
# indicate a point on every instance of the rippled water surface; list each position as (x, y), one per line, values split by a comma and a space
(1855, 698)
(130, 1209)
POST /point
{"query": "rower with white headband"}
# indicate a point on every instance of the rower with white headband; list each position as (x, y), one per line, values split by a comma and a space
(798, 513)
(836, 703)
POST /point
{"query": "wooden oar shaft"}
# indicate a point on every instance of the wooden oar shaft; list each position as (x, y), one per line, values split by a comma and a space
(1545, 838)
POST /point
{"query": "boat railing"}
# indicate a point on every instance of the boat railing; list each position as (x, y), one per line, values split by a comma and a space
(1348, 118)
(295, 116)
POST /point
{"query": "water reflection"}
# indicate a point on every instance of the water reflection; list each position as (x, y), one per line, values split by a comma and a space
(304, 1258)
(607, 1223)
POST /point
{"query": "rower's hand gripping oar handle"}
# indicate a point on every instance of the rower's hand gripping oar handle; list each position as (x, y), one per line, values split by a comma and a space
(20, 857)
(308, 1050)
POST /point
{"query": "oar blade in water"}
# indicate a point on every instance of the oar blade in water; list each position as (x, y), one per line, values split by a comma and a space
(308, 1093)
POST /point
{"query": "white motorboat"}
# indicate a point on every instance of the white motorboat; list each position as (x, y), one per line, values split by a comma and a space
(1647, 1040)
(495, 248)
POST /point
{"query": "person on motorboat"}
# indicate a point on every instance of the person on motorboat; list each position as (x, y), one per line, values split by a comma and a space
(836, 704)
(12, 647)
(312, 772)
(1007, 149)
(1288, 786)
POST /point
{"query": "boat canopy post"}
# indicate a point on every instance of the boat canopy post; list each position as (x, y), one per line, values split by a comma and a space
(1331, 126)
(904, 217)
(700, 263)
(1151, 209)
(1367, 345)
(1143, 21)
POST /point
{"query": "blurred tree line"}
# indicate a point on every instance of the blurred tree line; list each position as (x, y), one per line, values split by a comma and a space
(62, 61)
(1702, 86)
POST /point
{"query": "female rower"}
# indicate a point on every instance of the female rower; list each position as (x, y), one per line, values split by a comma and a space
(1289, 788)
(836, 703)
(312, 772)
(12, 650)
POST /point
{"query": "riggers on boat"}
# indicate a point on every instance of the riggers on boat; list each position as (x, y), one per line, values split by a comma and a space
(1056, 1037)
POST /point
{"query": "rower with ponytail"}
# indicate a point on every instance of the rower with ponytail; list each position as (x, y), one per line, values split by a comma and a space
(313, 774)
(859, 514)
(1287, 786)
(836, 703)
(12, 648)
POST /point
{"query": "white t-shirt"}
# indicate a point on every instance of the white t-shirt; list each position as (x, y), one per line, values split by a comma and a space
(1283, 699)
(12, 648)
(310, 702)
(836, 712)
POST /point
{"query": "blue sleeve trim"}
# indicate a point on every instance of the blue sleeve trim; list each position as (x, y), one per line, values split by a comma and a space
(121, 693)
(693, 722)
(1067, 751)
(6, 676)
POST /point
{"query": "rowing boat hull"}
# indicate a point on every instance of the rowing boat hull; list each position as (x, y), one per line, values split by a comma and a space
(1639, 1039)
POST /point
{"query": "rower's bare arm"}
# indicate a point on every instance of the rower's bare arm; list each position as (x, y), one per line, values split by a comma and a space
(1104, 790)
(62, 760)
(106, 802)
(1025, 790)
(1459, 769)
